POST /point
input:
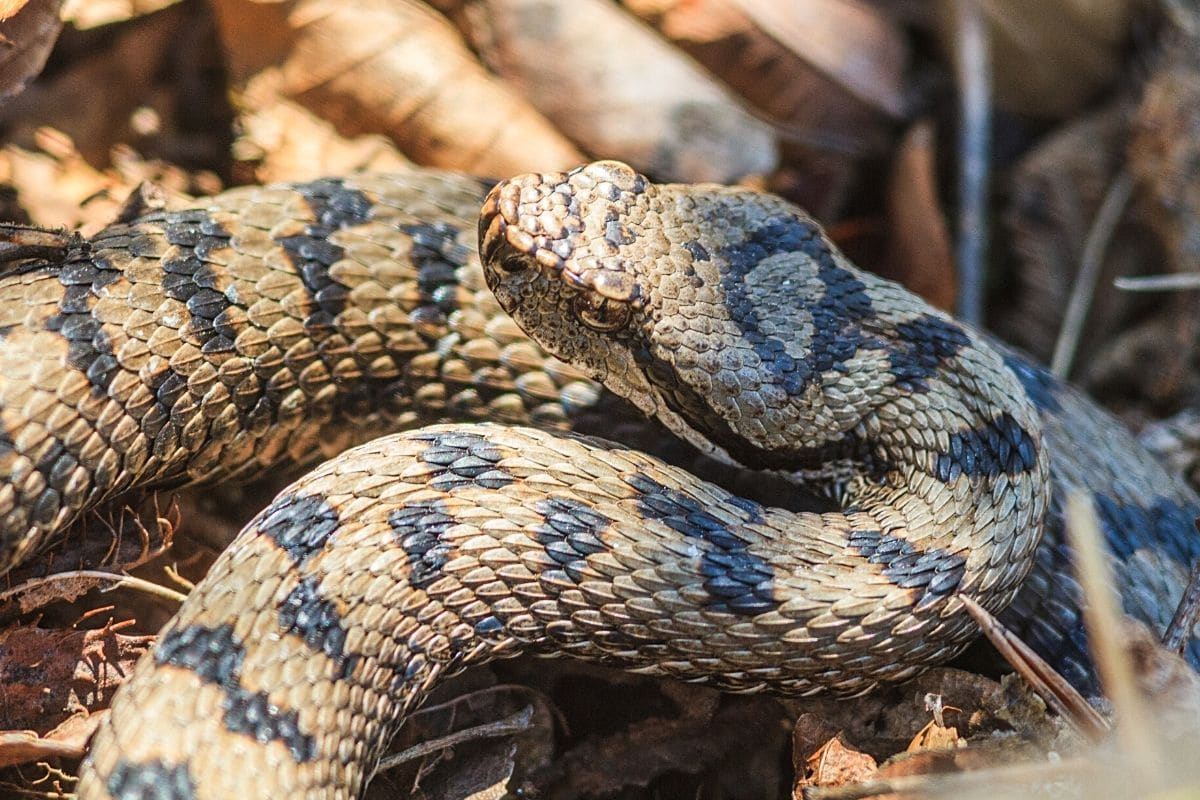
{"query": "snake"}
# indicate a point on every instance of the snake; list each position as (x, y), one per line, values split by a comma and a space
(480, 324)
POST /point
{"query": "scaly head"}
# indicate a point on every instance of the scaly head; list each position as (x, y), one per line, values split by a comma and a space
(724, 312)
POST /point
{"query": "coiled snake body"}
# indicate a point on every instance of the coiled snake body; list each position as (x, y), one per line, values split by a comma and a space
(283, 322)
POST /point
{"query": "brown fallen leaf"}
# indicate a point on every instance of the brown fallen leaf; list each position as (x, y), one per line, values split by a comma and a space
(283, 140)
(1164, 159)
(935, 737)
(834, 764)
(392, 67)
(25, 747)
(94, 552)
(860, 48)
(52, 675)
(650, 105)
(1058, 188)
(28, 30)
(920, 253)
(10, 7)
(55, 187)
(468, 741)
(829, 83)
(139, 70)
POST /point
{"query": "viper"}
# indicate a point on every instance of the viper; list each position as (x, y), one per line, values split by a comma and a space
(281, 324)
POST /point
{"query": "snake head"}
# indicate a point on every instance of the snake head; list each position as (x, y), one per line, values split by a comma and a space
(570, 228)
(559, 252)
(694, 302)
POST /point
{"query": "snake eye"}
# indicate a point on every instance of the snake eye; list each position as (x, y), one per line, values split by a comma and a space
(600, 313)
(514, 263)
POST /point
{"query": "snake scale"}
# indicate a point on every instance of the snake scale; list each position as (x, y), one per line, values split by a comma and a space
(280, 324)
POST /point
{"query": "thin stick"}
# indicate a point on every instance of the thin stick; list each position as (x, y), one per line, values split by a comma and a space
(517, 723)
(974, 142)
(1059, 695)
(1103, 622)
(1187, 614)
(125, 581)
(1091, 261)
(1175, 282)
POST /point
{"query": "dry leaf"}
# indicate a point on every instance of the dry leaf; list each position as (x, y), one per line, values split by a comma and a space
(836, 764)
(824, 125)
(56, 187)
(920, 253)
(935, 737)
(650, 105)
(396, 68)
(286, 141)
(861, 49)
(1057, 189)
(85, 14)
(1164, 158)
(28, 30)
(125, 92)
(50, 675)
(10, 7)
(24, 747)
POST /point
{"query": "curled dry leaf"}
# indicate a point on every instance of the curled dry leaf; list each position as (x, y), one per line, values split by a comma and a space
(286, 141)
(1048, 59)
(620, 91)
(1164, 149)
(1057, 190)
(25, 747)
(391, 67)
(935, 737)
(1164, 158)
(835, 764)
(468, 742)
(128, 90)
(94, 552)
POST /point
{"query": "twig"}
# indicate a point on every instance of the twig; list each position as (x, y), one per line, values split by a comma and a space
(1091, 261)
(1102, 620)
(1175, 282)
(1187, 614)
(974, 142)
(1059, 695)
(125, 581)
(517, 723)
